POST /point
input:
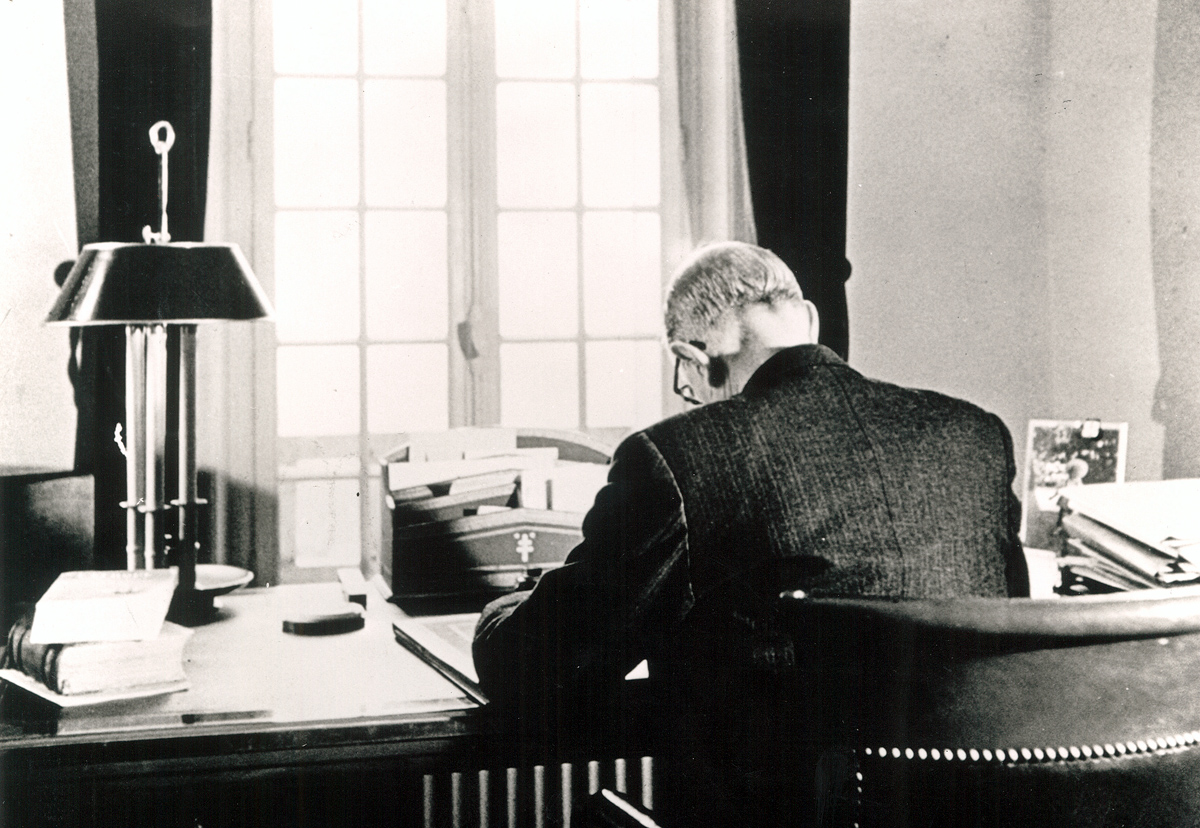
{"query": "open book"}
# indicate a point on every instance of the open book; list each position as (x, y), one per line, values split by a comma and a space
(444, 643)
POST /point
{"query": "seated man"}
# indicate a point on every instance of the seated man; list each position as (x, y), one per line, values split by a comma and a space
(794, 473)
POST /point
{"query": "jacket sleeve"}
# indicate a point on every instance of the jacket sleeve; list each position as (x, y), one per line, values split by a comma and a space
(1016, 568)
(616, 600)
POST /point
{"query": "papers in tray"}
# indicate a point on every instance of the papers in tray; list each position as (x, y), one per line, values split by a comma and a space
(1133, 535)
(1164, 515)
(476, 512)
(16, 677)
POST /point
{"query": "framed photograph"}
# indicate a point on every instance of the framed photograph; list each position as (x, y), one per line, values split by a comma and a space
(1062, 453)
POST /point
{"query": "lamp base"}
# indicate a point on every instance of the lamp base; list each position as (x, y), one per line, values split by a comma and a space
(194, 607)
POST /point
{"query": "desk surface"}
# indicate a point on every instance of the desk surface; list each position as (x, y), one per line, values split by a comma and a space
(347, 729)
(247, 675)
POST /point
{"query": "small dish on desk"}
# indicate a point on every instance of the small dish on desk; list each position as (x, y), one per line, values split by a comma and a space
(218, 579)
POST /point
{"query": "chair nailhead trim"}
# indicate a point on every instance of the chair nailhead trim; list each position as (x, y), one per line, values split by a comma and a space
(1037, 754)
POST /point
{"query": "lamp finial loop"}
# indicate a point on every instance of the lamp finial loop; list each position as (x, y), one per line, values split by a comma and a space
(162, 146)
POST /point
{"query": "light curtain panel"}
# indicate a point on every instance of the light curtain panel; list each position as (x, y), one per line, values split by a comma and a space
(37, 214)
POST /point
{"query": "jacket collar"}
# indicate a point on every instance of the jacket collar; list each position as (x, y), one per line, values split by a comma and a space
(798, 359)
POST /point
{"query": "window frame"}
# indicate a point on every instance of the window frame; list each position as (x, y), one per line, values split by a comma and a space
(472, 257)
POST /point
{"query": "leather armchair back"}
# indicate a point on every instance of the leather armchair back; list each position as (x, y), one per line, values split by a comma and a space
(1078, 711)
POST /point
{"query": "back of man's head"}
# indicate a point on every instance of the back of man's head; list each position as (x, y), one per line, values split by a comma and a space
(722, 278)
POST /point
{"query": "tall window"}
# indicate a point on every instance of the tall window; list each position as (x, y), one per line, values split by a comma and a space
(468, 229)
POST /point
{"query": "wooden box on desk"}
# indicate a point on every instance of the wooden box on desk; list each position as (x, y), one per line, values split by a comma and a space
(480, 542)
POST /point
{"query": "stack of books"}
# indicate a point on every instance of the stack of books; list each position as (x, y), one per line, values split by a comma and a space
(487, 520)
(98, 636)
(1124, 536)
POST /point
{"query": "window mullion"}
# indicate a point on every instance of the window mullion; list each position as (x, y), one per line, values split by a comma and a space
(581, 335)
(475, 383)
(366, 460)
(458, 200)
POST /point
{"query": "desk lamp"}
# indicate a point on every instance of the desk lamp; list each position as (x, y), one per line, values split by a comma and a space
(148, 287)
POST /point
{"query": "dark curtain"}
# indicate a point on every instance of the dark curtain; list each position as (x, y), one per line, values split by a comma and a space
(794, 57)
(151, 61)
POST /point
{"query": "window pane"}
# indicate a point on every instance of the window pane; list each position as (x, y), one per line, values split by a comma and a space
(535, 38)
(407, 294)
(620, 145)
(618, 38)
(404, 37)
(625, 383)
(407, 388)
(316, 276)
(405, 143)
(316, 37)
(622, 274)
(330, 459)
(316, 142)
(317, 390)
(539, 297)
(327, 523)
(539, 385)
(535, 144)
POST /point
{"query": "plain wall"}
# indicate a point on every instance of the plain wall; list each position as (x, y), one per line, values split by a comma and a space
(999, 208)
(37, 232)
(1175, 196)
(999, 212)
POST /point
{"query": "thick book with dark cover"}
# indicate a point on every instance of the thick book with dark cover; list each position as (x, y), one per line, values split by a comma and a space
(98, 666)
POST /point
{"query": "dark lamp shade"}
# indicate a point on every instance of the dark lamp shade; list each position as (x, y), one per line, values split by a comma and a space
(114, 283)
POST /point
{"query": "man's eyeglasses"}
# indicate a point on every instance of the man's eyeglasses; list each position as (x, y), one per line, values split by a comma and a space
(684, 390)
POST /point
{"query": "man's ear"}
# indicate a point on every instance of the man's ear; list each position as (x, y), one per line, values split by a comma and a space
(688, 351)
(814, 322)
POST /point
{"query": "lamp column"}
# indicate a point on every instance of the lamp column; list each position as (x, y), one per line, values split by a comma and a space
(156, 442)
(187, 504)
(134, 446)
(144, 443)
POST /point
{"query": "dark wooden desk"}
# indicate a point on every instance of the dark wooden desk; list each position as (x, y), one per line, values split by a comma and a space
(278, 729)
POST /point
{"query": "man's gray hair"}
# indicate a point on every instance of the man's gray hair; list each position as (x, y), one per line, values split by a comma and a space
(721, 278)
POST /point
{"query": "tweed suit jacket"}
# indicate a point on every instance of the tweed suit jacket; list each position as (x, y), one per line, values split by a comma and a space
(812, 478)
